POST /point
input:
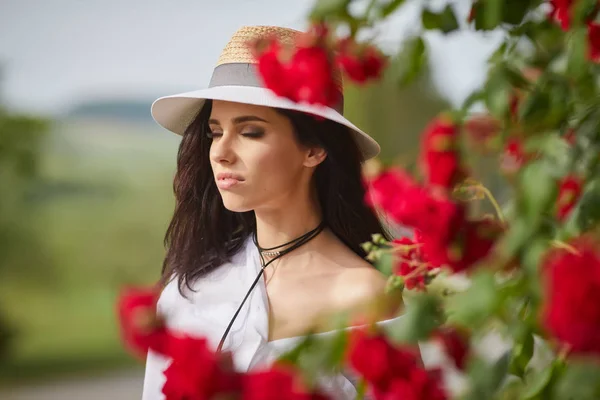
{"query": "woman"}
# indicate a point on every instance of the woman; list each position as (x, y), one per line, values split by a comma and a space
(264, 245)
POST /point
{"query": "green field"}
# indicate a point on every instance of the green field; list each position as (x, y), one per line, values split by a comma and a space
(100, 213)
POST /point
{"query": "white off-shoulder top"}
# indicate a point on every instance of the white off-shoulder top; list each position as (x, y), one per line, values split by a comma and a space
(207, 311)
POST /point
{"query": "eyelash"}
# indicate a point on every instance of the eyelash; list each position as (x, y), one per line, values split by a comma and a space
(253, 135)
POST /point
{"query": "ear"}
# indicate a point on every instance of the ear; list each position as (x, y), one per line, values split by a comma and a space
(315, 156)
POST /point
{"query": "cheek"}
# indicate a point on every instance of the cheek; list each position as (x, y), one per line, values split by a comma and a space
(276, 172)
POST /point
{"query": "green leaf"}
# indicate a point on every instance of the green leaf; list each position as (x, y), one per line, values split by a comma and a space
(579, 382)
(422, 317)
(538, 190)
(497, 92)
(583, 9)
(522, 351)
(531, 261)
(486, 378)
(511, 390)
(474, 306)
(532, 255)
(577, 49)
(470, 101)
(488, 14)
(334, 349)
(293, 355)
(327, 8)
(537, 381)
(535, 107)
(445, 20)
(515, 77)
(385, 263)
(412, 60)
(518, 235)
(515, 10)
(391, 7)
(587, 212)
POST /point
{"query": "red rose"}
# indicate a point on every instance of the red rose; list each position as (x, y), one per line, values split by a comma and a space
(437, 218)
(387, 190)
(514, 156)
(455, 344)
(480, 237)
(569, 191)
(572, 296)
(407, 261)
(469, 243)
(561, 12)
(419, 385)
(392, 372)
(271, 69)
(374, 358)
(594, 41)
(373, 62)
(360, 64)
(440, 160)
(306, 76)
(277, 383)
(196, 372)
(140, 326)
(309, 74)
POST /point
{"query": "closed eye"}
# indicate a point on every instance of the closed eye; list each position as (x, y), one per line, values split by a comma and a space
(212, 135)
(254, 134)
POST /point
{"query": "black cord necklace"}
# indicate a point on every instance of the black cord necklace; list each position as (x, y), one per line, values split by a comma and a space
(271, 251)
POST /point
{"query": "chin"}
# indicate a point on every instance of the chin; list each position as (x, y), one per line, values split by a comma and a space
(235, 203)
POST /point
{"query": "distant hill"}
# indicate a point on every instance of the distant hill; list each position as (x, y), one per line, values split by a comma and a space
(126, 110)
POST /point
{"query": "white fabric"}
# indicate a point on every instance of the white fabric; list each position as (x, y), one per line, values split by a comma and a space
(177, 111)
(207, 311)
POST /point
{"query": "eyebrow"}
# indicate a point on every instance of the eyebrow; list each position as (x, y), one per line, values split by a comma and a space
(239, 120)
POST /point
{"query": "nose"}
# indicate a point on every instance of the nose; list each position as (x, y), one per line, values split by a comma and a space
(222, 149)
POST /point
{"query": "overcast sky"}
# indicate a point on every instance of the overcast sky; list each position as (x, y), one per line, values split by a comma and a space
(59, 52)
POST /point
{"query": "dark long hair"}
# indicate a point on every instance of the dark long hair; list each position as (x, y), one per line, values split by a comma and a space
(203, 234)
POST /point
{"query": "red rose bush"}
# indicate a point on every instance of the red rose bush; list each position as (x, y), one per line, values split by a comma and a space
(530, 271)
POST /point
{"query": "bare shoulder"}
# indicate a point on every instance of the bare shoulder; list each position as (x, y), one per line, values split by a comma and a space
(360, 279)
(360, 288)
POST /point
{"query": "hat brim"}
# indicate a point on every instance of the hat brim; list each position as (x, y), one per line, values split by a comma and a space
(177, 111)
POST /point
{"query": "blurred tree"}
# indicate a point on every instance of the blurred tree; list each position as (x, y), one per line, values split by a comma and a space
(402, 113)
(400, 116)
(21, 138)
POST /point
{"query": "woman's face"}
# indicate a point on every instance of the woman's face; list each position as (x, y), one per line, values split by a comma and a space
(256, 159)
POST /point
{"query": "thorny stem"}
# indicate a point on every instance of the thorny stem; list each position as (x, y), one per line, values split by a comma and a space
(492, 200)
(421, 267)
(404, 247)
(562, 245)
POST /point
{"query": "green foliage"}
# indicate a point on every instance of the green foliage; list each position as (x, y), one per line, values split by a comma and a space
(578, 382)
(445, 20)
(411, 64)
(422, 316)
(472, 308)
(486, 377)
(541, 89)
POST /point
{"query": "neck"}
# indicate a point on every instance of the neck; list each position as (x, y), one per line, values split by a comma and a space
(276, 226)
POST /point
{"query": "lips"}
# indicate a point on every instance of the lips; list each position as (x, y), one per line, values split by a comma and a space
(227, 180)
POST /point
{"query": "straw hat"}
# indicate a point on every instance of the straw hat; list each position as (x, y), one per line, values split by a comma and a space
(235, 78)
